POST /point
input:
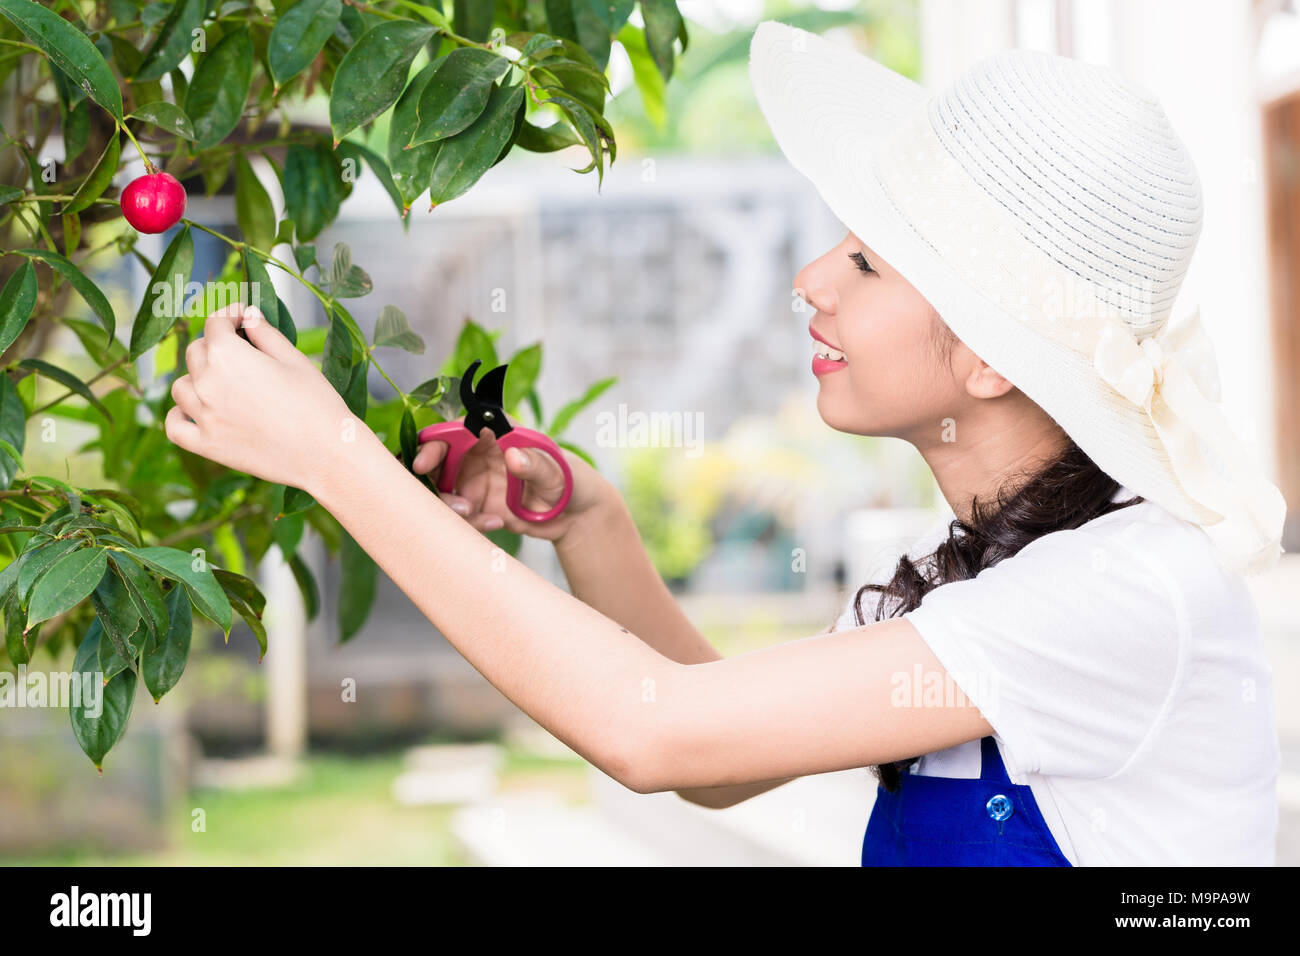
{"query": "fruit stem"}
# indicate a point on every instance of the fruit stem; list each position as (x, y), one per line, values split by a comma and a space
(149, 167)
(310, 287)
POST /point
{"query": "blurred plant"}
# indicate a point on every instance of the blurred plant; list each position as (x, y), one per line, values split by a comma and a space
(672, 501)
(190, 85)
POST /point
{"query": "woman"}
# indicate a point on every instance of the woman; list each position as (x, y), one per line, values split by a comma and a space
(1075, 660)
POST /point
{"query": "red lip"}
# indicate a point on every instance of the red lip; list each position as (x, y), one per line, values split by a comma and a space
(822, 339)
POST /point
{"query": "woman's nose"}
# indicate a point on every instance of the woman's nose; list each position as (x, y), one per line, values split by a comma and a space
(820, 296)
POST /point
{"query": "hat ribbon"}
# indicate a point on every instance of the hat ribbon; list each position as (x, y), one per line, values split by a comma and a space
(1172, 375)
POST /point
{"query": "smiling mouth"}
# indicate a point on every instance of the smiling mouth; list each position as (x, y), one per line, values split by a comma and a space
(824, 351)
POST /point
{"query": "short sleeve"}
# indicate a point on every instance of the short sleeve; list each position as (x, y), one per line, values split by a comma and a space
(1070, 648)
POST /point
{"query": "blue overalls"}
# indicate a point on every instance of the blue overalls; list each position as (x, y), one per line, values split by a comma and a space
(950, 821)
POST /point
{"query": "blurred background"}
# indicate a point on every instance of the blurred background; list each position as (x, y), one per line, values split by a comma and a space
(675, 277)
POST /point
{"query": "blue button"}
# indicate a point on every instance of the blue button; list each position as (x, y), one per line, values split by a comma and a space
(999, 807)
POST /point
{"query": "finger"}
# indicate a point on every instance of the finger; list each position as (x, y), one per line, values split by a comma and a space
(224, 323)
(187, 399)
(179, 430)
(536, 467)
(429, 457)
(457, 503)
(196, 356)
(266, 337)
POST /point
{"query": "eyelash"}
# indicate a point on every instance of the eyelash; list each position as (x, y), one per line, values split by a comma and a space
(862, 264)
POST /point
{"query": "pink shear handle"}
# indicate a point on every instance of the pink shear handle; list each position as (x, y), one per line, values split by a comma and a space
(527, 438)
(459, 440)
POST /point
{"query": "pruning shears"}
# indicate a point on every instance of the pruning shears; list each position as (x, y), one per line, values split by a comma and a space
(484, 407)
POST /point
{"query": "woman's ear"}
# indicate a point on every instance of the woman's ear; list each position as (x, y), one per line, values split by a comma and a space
(984, 382)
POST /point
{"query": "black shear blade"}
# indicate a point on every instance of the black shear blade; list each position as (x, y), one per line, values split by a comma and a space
(483, 402)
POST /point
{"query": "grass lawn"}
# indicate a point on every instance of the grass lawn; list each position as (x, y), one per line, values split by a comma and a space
(339, 812)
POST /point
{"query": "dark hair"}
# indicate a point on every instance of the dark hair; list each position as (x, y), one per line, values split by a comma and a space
(1067, 492)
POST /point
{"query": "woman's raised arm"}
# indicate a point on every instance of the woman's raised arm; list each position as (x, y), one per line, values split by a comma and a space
(820, 704)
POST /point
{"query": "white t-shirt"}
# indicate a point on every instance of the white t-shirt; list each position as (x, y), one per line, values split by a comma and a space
(1121, 668)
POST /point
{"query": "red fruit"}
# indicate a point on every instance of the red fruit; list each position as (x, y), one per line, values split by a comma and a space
(154, 202)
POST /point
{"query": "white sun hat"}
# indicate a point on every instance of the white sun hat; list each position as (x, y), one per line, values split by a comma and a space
(1048, 211)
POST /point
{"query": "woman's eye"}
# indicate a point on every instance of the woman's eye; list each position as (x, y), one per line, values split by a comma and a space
(860, 261)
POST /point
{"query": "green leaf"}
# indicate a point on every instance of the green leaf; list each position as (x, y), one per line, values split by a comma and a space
(12, 452)
(567, 413)
(164, 658)
(590, 22)
(410, 168)
(524, 368)
(354, 392)
(577, 78)
(166, 116)
(646, 73)
(357, 589)
(85, 288)
(546, 139)
(17, 300)
(98, 347)
(406, 438)
(473, 19)
(299, 35)
(287, 532)
(18, 645)
(122, 625)
(66, 584)
(427, 389)
(99, 178)
(356, 152)
(580, 117)
(306, 586)
(162, 305)
(253, 209)
(64, 377)
(215, 99)
(338, 356)
(261, 292)
(313, 188)
(474, 342)
(394, 329)
(238, 586)
(172, 42)
(76, 132)
(8, 194)
(373, 73)
(68, 49)
(248, 602)
(284, 321)
(112, 660)
(296, 501)
(462, 159)
(663, 21)
(40, 559)
(457, 92)
(97, 735)
(144, 592)
(201, 584)
(284, 233)
(304, 256)
(347, 281)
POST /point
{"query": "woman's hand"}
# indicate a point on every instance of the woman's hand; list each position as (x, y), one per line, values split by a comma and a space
(480, 495)
(258, 406)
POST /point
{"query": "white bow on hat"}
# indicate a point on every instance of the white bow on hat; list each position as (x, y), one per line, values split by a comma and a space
(1173, 376)
(1136, 369)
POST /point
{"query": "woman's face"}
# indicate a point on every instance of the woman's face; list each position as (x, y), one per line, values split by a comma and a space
(898, 376)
